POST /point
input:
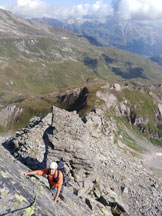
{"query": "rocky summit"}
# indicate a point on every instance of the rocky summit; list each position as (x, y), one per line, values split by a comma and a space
(105, 176)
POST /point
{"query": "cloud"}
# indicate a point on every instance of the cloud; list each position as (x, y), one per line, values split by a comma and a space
(30, 8)
(138, 9)
(29, 3)
(40, 8)
(98, 9)
(123, 9)
(3, 7)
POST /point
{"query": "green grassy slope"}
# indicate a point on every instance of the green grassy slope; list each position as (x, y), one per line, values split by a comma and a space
(43, 64)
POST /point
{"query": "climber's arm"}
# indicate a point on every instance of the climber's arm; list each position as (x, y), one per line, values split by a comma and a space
(57, 194)
(36, 172)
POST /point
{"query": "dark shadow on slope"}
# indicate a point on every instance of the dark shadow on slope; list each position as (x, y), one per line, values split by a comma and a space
(50, 131)
(91, 63)
(128, 64)
(107, 59)
(130, 73)
(91, 40)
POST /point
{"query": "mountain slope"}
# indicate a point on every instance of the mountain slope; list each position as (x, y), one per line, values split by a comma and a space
(142, 38)
(37, 60)
(157, 59)
(14, 26)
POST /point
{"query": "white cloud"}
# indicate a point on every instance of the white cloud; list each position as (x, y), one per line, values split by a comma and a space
(30, 8)
(29, 3)
(138, 9)
(98, 9)
(40, 8)
(2, 7)
(125, 9)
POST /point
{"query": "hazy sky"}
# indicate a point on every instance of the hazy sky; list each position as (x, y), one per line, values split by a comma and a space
(125, 9)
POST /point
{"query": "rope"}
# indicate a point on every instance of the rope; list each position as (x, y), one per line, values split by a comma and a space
(23, 208)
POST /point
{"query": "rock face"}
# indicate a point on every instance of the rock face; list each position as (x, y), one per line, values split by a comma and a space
(74, 99)
(28, 196)
(103, 173)
(8, 113)
(148, 123)
(160, 108)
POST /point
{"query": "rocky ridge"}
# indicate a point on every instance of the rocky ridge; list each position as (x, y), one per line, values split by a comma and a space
(15, 26)
(105, 173)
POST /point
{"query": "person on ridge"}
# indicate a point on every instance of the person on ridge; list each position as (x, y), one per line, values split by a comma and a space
(55, 179)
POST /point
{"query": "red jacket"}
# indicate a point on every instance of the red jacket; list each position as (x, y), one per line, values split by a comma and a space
(58, 184)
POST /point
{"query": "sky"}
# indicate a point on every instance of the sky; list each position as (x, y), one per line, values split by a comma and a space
(63, 9)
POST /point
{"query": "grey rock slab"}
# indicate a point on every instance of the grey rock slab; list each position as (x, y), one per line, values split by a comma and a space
(27, 196)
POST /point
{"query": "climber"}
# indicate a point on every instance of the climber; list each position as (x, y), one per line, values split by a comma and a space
(55, 178)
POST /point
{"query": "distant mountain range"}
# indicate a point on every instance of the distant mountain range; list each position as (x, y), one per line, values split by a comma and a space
(141, 38)
(157, 59)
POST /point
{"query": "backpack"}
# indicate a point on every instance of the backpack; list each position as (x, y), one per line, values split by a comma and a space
(61, 168)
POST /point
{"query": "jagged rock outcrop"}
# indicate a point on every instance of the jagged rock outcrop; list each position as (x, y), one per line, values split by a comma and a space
(116, 87)
(73, 99)
(8, 113)
(123, 107)
(103, 173)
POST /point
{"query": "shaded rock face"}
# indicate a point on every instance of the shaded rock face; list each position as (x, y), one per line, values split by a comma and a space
(106, 178)
(74, 99)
